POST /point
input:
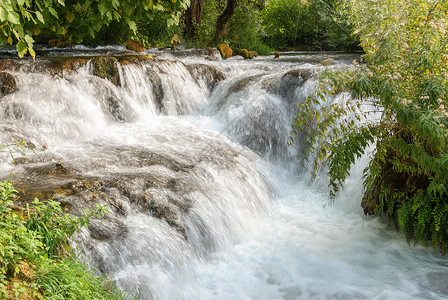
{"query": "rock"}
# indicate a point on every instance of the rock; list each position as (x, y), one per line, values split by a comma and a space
(57, 43)
(106, 68)
(9, 64)
(157, 87)
(327, 62)
(276, 54)
(210, 75)
(246, 54)
(225, 51)
(254, 53)
(7, 84)
(135, 46)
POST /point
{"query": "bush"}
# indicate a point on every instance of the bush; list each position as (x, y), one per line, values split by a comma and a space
(405, 78)
(35, 257)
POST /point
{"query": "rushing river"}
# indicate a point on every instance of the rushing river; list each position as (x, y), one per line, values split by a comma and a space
(207, 200)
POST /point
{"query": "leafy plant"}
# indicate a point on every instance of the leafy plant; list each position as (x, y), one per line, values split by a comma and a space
(35, 241)
(55, 227)
(405, 79)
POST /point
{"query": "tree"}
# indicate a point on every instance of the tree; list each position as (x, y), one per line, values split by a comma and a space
(405, 78)
(75, 20)
(223, 20)
(193, 17)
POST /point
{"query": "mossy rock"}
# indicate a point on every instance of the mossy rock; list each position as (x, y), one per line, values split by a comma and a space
(106, 67)
(7, 84)
(57, 43)
(225, 51)
(135, 46)
(246, 54)
(254, 53)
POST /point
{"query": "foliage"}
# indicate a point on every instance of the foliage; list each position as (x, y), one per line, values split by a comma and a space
(245, 29)
(76, 21)
(306, 24)
(18, 146)
(72, 280)
(405, 78)
(35, 240)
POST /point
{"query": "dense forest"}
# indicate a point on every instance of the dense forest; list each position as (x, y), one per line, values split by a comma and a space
(403, 76)
(255, 25)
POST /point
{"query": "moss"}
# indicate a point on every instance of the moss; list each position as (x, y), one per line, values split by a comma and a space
(225, 51)
(247, 54)
(135, 46)
(106, 67)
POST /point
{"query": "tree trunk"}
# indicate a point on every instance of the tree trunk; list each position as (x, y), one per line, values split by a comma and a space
(193, 17)
(223, 19)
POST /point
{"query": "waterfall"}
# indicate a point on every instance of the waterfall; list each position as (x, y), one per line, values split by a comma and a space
(207, 200)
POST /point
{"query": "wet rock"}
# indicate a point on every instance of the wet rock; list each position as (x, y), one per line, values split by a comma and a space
(135, 46)
(7, 84)
(276, 54)
(209, 54)
(327, 62)
(104, 229)
(208, 74)
(157, 87)
(106, 67)
(246, 54)
(9, 64)
(57, 43)
(225, 51)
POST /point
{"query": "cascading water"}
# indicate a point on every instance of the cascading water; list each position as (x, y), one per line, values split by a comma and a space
(190, 156)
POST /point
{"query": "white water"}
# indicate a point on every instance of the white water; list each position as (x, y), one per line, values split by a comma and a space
(254, 228)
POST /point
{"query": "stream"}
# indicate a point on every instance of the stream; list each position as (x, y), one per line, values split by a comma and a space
(206, 198)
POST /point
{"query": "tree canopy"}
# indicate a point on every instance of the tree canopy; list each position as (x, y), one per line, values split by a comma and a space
(74, 21)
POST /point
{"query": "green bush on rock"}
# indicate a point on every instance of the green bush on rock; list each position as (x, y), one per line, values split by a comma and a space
(405, 79)
(35, 260)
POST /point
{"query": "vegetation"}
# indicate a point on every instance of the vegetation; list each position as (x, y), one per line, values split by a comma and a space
(258, 25)
(305, 24)
(405, 79)
(36, 261)
(77, 21)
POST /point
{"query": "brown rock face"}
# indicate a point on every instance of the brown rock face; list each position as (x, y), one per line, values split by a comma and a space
(106, 67)
(135, 46)
(7, 84)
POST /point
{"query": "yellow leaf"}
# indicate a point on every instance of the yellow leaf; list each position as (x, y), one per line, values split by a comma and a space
(10, 40)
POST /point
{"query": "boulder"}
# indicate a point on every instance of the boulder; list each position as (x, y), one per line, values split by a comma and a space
(246, 54)
(7, 84)
(135, 46)
(225, 51)
(106, 67)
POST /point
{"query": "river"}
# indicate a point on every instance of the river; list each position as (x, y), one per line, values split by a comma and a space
(207, 200)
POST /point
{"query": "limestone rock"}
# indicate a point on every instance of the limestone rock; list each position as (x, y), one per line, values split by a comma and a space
(225, 51)
(106, 67)
(7, 84)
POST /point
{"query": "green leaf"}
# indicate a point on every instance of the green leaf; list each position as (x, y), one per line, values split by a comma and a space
(21, 48)
(29, 40)
(32, 52)
(132, 25)
(53, 12)
(40, 17)
(103, 7)
(13, 17)
(70, 17)
(3, 14)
